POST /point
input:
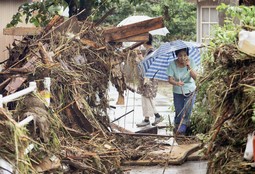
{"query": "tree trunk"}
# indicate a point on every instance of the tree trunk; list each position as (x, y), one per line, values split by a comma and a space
(73, 7)
(85, 5)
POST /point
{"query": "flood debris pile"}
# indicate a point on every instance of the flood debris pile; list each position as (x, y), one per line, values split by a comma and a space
(72, 134)
(64, 126)
(226, 92)
(150, 150)
(230, 94)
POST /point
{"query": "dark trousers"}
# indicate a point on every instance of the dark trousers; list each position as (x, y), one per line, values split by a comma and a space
(183, 107)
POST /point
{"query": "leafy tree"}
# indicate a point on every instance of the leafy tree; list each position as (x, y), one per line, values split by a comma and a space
(180, 19)
(37, 13)
(179, 16)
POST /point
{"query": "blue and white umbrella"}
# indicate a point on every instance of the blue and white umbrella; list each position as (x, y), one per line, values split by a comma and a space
(156, 63)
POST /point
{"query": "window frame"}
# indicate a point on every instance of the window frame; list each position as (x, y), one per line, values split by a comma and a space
(202, 38)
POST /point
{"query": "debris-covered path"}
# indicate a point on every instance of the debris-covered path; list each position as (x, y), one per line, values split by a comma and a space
(163, 103)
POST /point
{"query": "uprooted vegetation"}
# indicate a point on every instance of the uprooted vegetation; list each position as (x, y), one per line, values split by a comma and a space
(73, 134)
(225, 103)
(74, 131)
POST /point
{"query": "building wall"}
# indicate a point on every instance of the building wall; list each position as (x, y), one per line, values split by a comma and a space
(7, 9)
(208, 4)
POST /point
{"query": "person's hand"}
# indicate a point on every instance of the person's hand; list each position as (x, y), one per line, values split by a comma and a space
(187, 62)
(180, 83)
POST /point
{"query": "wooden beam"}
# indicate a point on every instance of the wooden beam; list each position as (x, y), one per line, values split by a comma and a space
(22, 31)
(130, 30)
(139, 38)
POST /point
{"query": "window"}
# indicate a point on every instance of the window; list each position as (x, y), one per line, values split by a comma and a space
(208, 18)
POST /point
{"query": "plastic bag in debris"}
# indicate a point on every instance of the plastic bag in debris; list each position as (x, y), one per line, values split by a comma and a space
(248, 153)
(246, 42)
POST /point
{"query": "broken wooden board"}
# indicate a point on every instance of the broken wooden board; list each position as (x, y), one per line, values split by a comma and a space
(117, 33)
(14, 84)
(197, 156)
(22, 31)
(172, 155)
(139, 38)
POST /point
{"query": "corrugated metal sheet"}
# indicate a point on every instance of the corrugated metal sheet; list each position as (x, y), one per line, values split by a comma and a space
(7, 9)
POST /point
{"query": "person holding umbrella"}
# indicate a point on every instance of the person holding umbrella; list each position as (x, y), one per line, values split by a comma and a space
(182, 75)
(148, 89)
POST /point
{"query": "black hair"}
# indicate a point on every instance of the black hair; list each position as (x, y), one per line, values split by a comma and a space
(149, 42)
(183, 49)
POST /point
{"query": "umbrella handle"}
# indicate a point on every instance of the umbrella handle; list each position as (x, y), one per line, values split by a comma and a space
(190, 93)
(155, 74)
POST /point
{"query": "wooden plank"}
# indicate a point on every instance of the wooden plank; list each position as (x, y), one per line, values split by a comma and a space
(175, 155)
(130, 30)
(139, 38)
(22, 31)
(14, 84)
(197, 156)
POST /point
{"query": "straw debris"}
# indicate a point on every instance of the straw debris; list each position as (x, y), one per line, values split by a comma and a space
(226, 105)
(73, 134)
